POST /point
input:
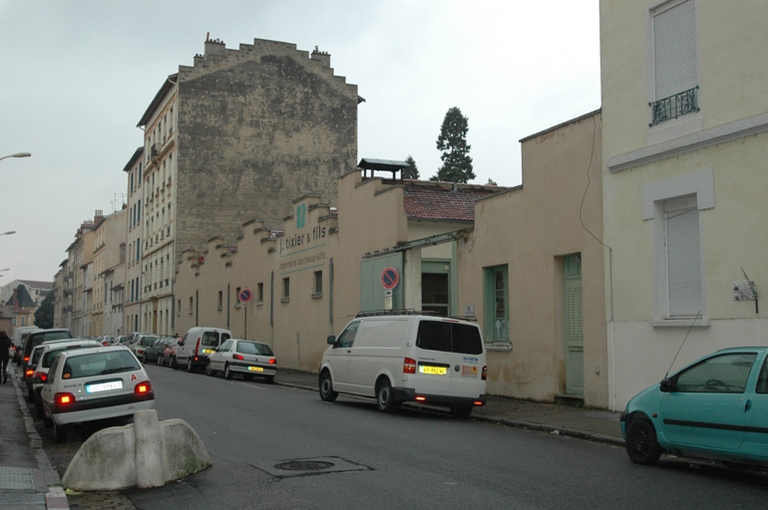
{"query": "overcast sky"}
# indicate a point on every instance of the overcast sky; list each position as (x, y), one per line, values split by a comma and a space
(78, 74)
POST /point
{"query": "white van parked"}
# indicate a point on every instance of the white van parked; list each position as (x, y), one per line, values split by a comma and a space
(401, 356)
(194, 348)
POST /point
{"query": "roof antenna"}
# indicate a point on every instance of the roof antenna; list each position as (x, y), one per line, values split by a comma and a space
(683, 342)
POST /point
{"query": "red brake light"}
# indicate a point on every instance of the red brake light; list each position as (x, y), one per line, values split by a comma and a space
(409, 366)
(26, 359)
(142, 387)
(238, 357)
(272, 361)
(419, 398)
(42, 376)
(29, 372)
(197, 345)
(64, 399)
(485, 373)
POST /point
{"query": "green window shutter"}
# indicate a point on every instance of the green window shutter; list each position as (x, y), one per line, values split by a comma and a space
(496, 304)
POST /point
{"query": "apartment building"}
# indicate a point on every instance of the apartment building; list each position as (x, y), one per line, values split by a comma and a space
(685, 141)
(228, 139)
(133, 242)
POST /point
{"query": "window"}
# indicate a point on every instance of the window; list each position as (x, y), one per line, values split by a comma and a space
(727, 373)
(496, 304)
(449, 337)
(191, 305)
(221, 300)
(286, 289)
(260, 292)
(318, 284)
(684, 291)
(347, 337)
(675, 65)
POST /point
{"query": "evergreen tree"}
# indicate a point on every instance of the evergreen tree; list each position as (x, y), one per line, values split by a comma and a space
(457, 164)
(44, 312)
(412, 171)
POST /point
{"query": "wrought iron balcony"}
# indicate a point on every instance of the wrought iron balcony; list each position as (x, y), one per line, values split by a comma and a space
(675, 106)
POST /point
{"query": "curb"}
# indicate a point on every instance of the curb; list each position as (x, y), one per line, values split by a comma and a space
(55, 496)
(521, 424)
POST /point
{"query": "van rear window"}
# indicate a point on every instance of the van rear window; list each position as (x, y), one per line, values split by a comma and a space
(449, 337)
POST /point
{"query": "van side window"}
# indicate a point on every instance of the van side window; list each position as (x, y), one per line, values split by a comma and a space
(449, 337)
(347, 337)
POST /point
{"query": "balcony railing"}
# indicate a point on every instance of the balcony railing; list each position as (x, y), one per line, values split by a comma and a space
(675, 106)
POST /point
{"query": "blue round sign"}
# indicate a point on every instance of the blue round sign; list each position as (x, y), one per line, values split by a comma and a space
(389, 278)
(245, 295)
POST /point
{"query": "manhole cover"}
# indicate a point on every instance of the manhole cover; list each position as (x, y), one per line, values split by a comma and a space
(304, 465)
(309, 466)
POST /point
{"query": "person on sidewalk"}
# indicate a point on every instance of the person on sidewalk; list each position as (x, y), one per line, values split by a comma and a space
(5, 355)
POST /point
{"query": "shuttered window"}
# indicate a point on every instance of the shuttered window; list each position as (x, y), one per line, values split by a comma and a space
(683, 257)
(496, 304)
(674, 48)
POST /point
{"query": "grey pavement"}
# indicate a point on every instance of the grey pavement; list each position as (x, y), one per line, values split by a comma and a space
(28, 481)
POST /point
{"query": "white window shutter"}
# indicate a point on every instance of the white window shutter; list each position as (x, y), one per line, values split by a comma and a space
(674, 51)
(683, 263)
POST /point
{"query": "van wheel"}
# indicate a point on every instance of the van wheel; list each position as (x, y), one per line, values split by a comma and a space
(190, 368)
(326, 388)
(461, 412)
(227, 372)
(384, 399)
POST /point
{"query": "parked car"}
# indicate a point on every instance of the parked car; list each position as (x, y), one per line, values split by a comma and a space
(244, 357)
(168, 356)
(198, 343)
(20, 335)
(42, 357)
(399, 356)
(93, 384)
(714, 408)
(142, 343)
(36, 338)
(152, 353)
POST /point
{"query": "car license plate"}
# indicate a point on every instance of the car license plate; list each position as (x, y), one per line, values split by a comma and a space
(426, 369)
(255, 369)
(208, 351)
(105, 386)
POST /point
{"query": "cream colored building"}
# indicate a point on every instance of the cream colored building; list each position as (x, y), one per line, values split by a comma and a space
(108, 274)
(133, 242)
(685, 145)
(532, 269)
(324, 264)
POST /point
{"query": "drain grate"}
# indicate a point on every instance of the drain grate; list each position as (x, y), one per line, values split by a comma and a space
(17, 478)
(308, 467)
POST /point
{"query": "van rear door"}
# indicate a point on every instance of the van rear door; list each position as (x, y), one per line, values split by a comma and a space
(450, 358)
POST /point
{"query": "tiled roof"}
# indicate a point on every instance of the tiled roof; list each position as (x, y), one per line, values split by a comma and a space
(443, 201)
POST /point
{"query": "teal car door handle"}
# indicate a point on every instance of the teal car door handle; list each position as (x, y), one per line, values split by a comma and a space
(747, 405)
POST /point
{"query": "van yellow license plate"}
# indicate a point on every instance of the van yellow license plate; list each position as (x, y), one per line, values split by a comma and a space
(255, 369)
(426, 369)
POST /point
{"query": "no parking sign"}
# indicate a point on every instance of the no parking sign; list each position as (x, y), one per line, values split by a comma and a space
(245, 295)
(389, 278)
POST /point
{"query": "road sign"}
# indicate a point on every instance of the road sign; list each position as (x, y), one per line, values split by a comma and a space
(245, 295)
(389, 278)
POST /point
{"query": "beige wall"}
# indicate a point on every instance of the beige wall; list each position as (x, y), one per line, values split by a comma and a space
(556, 212)
(717, 154)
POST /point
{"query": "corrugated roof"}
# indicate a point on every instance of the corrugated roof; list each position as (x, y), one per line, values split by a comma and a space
(443, 201)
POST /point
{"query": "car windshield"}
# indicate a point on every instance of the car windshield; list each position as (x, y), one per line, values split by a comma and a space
(253, 348)
(99, 363)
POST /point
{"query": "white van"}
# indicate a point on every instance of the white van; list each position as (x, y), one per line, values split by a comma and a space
(400, 356)
(194, 348)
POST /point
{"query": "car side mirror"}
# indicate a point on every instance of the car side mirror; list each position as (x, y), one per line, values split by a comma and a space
(666, 385)
(331, 339)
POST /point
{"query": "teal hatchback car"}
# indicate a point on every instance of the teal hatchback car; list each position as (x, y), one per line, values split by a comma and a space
(715, 408)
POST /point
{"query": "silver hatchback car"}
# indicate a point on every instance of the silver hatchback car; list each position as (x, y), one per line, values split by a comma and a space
(94, 384)
(244, 357)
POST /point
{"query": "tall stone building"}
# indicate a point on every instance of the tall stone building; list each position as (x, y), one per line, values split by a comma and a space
(233, 138)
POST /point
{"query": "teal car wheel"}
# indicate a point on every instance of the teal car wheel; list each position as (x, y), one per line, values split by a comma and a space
(641, 444)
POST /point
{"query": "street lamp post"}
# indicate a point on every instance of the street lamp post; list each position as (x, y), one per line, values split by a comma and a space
(17, 155)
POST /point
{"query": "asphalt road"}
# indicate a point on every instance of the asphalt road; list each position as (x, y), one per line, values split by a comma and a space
(278, 447)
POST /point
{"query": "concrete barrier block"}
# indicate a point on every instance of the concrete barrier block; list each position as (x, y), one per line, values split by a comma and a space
(144, 454)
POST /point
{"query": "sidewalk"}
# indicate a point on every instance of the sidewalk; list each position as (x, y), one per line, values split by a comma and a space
(27, 479)
(585, 423)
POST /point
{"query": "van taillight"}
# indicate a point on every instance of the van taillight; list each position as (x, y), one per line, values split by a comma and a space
(64, 399)
(485, 372)
(409, 366)
(197, 346)
(142, 387)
